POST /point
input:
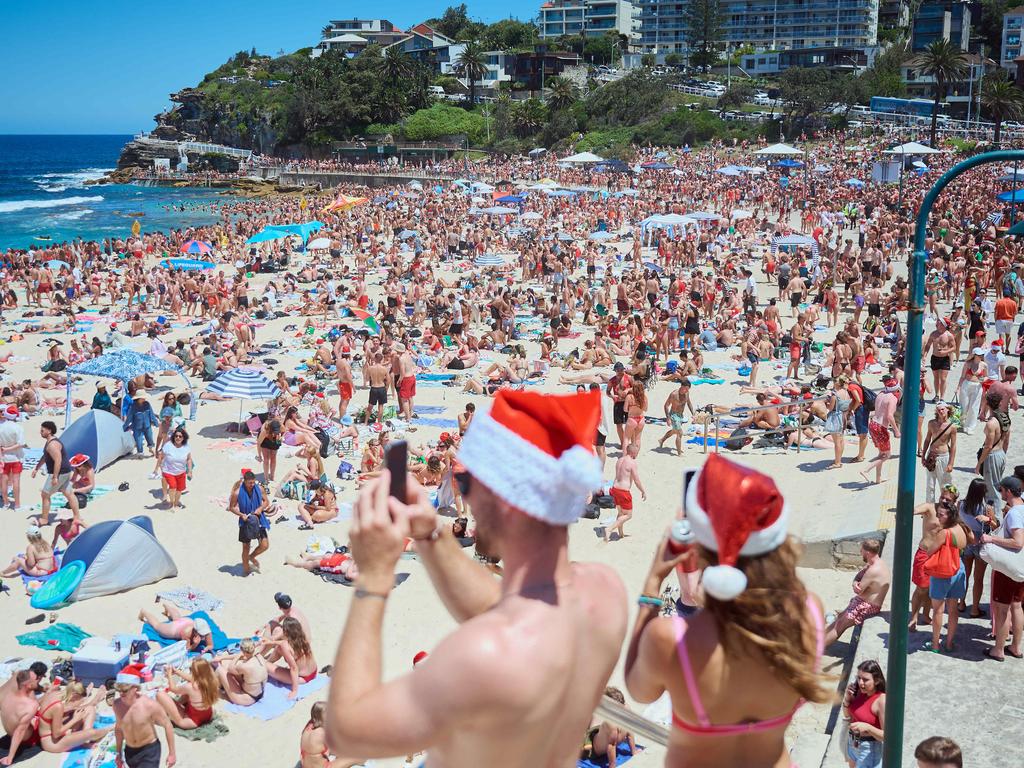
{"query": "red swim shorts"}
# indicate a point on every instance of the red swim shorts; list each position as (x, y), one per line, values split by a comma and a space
(860, 609)
(175, 482)
(333, 562)
(345, 390)
(407, 388)
(623, 498)
(11, 468)
(879, 436)
(794, 352)
(917, 575)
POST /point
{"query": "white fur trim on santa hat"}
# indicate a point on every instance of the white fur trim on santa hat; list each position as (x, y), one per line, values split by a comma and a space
(758, 542)
(128, 678)
(723, 582)
(547, 488)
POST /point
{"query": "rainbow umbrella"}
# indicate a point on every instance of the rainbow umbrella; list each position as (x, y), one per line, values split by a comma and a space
(368, 320)
(344, 202)
(195, 246)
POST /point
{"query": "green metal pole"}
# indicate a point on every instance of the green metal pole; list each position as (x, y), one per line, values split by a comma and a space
(896, 678)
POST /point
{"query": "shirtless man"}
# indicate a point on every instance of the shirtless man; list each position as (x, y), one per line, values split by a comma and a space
(931, 530)
(17, 713)
(870, 586)
(137, 717)
(798, 336)
(762, 418)
(941, 344)
(377, 378)
(626, 474)
(11, 685)
(272, 629)
(406, 381)
(883, 418)
(538, 644)
(675, 411)
(938, 451)
(797, 290)
(345, 384)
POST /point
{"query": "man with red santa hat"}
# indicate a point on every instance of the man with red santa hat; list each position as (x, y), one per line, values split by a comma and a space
(517, 682)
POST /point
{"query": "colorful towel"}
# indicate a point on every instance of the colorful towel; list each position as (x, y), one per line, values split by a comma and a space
(58, 500)
(57, 637)
(220, 640)
(275, 701)
(623, 754)
(434, 376)
(97, 756)
(188, 598)
(210, 731)
(344, 513)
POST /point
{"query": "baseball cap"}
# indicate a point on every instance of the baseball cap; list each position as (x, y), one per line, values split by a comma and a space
(201, 626)
(32, 530)
(977, 351)
(283, 601)
(1012, 484)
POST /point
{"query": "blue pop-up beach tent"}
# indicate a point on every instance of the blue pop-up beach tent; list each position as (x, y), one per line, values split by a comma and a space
(100, 436)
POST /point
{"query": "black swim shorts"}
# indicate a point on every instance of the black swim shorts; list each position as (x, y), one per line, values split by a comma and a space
(147, 756)
(378, 396)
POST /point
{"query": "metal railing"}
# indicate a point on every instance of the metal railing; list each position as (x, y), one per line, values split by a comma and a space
(745, 411)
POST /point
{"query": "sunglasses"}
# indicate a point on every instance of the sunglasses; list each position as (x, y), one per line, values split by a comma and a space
(463, 480)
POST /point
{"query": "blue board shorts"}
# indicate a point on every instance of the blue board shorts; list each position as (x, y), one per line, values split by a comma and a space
(860, 420)
(953, 588)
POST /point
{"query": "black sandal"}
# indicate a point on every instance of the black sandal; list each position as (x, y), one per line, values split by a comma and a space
(988, 655)
(1007, 650)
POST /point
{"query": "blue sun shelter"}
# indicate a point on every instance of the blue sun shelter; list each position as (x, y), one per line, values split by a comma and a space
(107, 558)
(100, 436)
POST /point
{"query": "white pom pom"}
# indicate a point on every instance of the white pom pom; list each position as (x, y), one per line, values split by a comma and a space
(723, 582)
(581, 470)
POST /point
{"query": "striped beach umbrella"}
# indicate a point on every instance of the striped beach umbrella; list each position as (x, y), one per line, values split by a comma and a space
(368, 320)
(195, 246)
(243, 384)
(489, 260)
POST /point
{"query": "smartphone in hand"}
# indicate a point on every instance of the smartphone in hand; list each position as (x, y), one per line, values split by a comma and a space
(396, 458)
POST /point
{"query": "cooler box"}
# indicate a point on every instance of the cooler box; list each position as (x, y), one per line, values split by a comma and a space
(97, 663)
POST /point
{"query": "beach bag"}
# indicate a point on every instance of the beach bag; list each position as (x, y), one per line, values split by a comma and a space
(944, 562)
(1006, 561)
(345, 470)
(737, 439)
(250, 528)
(869, 398)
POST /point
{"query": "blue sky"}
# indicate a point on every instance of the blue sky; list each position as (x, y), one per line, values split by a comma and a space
(106, 66)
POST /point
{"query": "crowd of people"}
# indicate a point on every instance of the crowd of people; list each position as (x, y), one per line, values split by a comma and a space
(620, 308)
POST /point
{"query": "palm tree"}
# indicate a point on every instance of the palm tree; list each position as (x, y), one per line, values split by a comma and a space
(1003, 99)
(944, 62)
(561, 93)
(325, 33)
(472, 65)
(528, 117)
(395, 66)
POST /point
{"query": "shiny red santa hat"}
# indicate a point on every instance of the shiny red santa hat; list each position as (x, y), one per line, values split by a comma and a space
(736, 512)
(536, 452)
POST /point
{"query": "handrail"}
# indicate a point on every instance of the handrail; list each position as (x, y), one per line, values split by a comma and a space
(745, 410)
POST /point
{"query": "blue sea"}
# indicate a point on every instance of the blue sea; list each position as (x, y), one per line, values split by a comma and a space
(43, 193)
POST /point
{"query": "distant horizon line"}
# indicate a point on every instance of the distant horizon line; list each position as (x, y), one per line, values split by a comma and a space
(120, 133)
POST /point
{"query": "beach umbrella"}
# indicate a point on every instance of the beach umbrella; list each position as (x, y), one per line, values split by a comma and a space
(703, 216)
(367, 319)
(740, 214)
(195, 246)
(657, 166)
(536, 151)
(601, 234)
(488, 260)
(243, 384)
(267, 235)
(822, 168)
(779, 149)
(729, 170)
(788, 163)
(912, 148)
(531, 216)
(548, 182)
(511, 199)
(854, 183)
(186, 265)
(320, 244)
(498, 210)
(57, 264)
(582, 158)
(405, 234)
(1014, 196)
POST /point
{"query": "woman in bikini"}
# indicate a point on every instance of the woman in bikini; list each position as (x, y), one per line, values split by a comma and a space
(297, 432)
(65, 718)
(313, 752)
(195, 632)
(293, 648)
(739, 668)
(268, 442)
(190, 705)
(38, 559)
(242, 676)
(636, 409)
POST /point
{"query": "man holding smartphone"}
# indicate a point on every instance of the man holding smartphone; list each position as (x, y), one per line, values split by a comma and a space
(519, 679)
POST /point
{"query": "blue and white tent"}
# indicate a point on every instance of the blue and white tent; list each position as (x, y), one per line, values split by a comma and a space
(790, 242)
(99, 435)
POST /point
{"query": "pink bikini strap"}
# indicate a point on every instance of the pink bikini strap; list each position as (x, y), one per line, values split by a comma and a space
(684, 661)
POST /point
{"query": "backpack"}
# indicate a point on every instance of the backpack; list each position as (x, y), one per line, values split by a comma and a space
(869, 398)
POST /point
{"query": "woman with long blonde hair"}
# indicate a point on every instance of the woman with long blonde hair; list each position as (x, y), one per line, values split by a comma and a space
(66, 717)
(200, 690)
(737, 670)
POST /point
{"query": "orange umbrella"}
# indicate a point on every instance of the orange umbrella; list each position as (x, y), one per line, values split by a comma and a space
(344, 202)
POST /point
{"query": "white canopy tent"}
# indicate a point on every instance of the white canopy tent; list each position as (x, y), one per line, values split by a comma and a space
(779, 149)
(912, 148)
(582, 158)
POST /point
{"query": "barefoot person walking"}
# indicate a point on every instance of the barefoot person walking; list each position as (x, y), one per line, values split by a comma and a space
(531, 642)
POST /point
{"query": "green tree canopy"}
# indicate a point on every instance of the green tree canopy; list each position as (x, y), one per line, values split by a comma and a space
(508, 34)
(704, 20)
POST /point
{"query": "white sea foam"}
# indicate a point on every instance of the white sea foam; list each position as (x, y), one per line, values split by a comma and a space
(59, 182)
(72, 215)
(13, 206)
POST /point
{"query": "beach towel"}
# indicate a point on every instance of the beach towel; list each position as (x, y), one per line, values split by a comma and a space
(708, 381)
(430, 409)
(188, 598)
(101, 755)
(57, 637)
(344, 513)
(210, 731)
(275, 701)
(220, 640)
(58, 500)
(435, 422)
(622, 752)
(434, 377)
(58, 556)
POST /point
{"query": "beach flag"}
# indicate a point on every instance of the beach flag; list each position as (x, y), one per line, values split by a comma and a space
(368, 320)
(136, 227)
(303, 203)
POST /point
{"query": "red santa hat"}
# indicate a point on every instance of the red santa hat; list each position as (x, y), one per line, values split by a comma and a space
(736, 512)
(536, 452)
(130, 675)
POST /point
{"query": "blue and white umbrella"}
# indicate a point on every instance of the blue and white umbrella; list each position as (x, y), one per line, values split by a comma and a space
(601, 234)
(489, 260)
(854, 183)
(405, 234)
(243, 384)
(57, 264)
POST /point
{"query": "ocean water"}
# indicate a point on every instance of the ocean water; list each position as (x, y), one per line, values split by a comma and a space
(43, 193)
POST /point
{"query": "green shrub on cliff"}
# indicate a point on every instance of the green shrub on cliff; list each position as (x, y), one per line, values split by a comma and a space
(444, 120)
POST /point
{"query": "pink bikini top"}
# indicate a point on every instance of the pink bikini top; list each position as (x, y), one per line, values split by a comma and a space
(704, 726)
